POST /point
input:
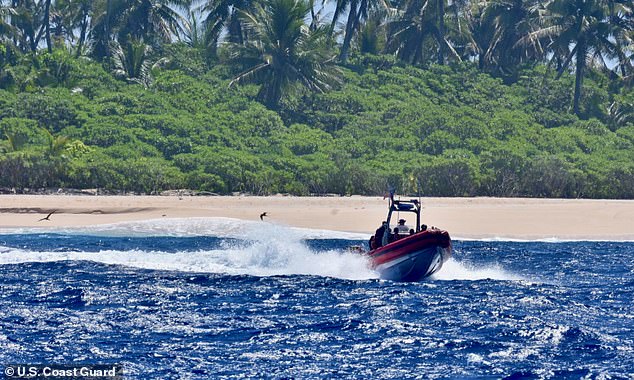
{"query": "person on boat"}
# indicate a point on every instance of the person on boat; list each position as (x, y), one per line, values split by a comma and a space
(402, 228)
(380, 238)
(396, 234)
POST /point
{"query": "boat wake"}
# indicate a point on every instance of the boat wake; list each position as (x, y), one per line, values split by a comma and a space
(270, 250)
(256, 260)
(456, 270)
(261, 249)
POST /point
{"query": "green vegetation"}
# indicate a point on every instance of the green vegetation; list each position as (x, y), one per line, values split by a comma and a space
(437, 98)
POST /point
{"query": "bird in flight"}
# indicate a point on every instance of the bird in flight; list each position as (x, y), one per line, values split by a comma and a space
(262, 215)
(47, 216)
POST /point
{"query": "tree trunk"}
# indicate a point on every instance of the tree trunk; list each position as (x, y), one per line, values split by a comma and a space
(47, 25)
(235, 31)
(347, 38)
(441, 31)
(107, 41)
(313, 17)
(581, 64)
(82, 35)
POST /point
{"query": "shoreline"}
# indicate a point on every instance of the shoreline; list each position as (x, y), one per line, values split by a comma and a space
(467, 218)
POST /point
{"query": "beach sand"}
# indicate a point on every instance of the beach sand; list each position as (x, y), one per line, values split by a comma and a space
(514, 218)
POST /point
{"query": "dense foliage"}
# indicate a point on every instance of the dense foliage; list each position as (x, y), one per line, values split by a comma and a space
(146, 100)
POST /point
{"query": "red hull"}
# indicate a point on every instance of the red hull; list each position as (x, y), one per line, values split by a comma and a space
(413, 257)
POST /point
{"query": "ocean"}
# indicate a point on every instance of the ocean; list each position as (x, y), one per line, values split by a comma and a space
(208, 298)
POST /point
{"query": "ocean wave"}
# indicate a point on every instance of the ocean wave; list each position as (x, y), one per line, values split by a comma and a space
(456, 270)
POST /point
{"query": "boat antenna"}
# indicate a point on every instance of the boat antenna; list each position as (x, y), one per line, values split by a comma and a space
(390, 194)
(418, 191)
(420, 203)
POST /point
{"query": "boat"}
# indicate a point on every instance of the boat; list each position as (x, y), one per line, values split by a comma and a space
(409, 255)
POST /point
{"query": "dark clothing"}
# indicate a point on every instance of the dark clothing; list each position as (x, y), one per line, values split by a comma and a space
(378, 236)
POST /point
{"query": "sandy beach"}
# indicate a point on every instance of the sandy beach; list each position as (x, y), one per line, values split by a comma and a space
(517, 218)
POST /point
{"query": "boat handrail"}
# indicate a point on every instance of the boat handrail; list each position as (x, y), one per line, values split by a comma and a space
(412, 205)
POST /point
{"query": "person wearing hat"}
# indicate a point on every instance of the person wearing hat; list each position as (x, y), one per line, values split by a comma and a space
(403, 229)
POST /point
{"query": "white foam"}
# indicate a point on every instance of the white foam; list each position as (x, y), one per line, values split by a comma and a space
(456, 270)
(272, 250)
(546, 334)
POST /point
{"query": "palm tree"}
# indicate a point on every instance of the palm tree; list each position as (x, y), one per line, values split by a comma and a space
(358, 11)
(316, 17)
(105, 14)
(15, 141)
(622, 18)
(46, 25)
(154, 21)
(581, 30)
(24, 22)
(132, 61)
(55, 145)
(31, 21)
(75, 15)
(440, 22)
(284, 51)
(193, 32)
(6, 29)
(504, 23)
(417, 28)
(223, 16)
(371, 37)
(458, 17)
(471, 28)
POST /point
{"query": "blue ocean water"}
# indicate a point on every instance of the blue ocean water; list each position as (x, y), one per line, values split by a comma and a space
(276, 303)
